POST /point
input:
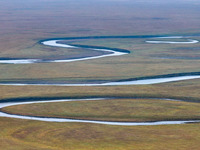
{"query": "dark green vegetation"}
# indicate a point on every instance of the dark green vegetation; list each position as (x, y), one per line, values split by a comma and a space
(25, 23)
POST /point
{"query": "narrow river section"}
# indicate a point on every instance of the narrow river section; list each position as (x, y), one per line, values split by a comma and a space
(49, 119)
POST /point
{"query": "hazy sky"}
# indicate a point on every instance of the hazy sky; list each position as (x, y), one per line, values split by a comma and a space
(99, 16)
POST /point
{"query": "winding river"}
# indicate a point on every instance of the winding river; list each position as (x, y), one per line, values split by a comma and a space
(112, 52)
(2, 114)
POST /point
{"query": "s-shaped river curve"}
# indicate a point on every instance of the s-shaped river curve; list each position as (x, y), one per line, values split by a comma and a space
(129, 82)
(112, 52)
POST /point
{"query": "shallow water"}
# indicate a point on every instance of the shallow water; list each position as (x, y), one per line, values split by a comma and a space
(189, 41)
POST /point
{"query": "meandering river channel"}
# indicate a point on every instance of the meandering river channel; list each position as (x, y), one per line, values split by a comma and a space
(112, 52)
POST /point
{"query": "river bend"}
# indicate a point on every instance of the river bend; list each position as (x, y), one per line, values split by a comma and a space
(112, 52)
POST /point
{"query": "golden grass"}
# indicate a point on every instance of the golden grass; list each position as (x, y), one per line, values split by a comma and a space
(138, 110)
(24, 23)
(22, 134)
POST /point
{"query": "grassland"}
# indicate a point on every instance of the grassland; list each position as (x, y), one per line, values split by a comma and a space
(144, 57)
(19, 39)
(138, 110)
(22, 134)
(185, 90)
(25, 23)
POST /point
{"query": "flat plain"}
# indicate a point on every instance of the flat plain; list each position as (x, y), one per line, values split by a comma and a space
(25, 23)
